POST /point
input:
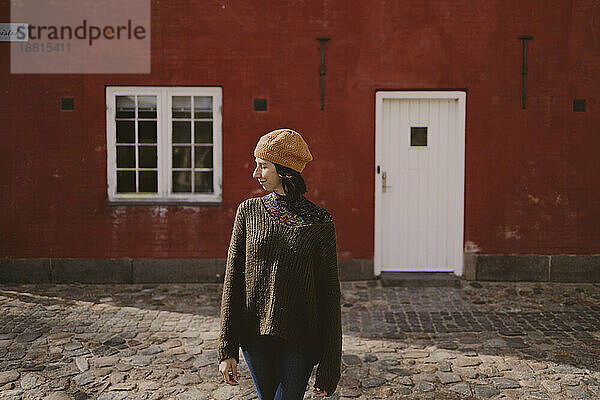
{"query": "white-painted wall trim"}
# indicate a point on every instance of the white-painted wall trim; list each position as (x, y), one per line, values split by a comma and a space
(164, 95)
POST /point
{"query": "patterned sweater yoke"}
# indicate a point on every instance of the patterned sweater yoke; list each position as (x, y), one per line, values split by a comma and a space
(281, 279)
(300, 212)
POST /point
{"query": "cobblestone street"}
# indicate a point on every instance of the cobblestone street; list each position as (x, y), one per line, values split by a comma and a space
(485, 340)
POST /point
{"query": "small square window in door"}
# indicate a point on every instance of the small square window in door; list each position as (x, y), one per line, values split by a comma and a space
(418, 136)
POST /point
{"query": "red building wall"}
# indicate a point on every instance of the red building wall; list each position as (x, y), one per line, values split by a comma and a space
(530, 175)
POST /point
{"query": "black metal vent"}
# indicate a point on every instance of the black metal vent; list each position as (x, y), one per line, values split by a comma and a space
(67, 104)
(260, 104)
(579, 105)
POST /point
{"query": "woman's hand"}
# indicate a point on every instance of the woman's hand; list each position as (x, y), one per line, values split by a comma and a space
(319, 393)
(228, 369)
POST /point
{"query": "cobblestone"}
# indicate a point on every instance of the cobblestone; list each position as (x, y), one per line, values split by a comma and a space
(484, 340)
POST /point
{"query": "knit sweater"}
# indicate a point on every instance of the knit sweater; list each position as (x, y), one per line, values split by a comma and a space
(295, 213)
(282, 280)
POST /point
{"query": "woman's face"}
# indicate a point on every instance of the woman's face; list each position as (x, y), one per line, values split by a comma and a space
(266, 174)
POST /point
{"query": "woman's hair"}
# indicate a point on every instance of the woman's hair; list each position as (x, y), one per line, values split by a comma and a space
(292, 182)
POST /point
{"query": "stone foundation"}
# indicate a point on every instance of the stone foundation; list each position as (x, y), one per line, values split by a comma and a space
(127, 270)
(537, 268)
(481, 267)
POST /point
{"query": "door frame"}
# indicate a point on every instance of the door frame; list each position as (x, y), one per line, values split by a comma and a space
(422, 95)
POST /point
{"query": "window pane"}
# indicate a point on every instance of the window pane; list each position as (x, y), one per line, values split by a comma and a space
(147, 156)
(125, 106)
(202, 107)
(203, 132)
(146, 106)
(126, 181)
(418, 136)
(125, 132)
(147, 131)
(203, 157)
(125, 156)
(149, 181)
(182, 156)
(182, 132)
(136, 141)
(182, 181)
(203, 182)
(182, 107)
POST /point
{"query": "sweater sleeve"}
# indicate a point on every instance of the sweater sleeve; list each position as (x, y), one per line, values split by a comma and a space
(233, 291)
(329, 369)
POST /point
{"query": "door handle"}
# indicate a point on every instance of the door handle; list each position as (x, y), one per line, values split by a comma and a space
(384, 181)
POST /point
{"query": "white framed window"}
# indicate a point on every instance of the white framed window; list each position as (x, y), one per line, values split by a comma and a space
(164, 144)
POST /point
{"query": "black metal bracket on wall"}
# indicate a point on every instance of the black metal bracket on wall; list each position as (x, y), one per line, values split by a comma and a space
(524, 39)
(322, 40)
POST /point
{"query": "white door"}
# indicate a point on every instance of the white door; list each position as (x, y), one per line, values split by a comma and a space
(419, 181)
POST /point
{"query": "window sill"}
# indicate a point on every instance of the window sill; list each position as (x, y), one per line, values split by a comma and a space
(157, 203)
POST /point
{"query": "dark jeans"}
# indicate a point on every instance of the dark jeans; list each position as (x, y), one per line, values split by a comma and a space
(278, 370)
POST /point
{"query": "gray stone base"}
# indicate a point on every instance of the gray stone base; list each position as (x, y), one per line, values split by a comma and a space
(127, 270)
(485, 267)
(419, 279)
(538, 268)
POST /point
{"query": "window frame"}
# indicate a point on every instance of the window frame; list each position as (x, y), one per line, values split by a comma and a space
(164, 129)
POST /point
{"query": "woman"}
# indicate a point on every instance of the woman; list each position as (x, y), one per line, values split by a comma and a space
(281, 292)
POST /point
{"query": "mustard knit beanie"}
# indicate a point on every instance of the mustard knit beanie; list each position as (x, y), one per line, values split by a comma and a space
(285, 147)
